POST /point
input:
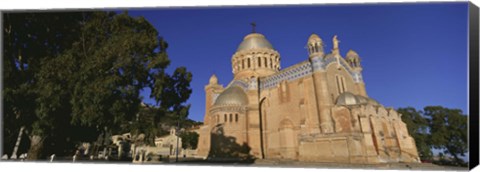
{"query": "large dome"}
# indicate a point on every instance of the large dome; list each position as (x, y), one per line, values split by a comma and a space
(254, 41)
(233, 95)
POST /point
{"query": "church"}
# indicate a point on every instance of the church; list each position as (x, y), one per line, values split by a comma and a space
(317, 110)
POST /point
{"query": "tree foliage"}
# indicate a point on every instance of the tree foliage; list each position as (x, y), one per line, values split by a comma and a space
(92, 79)
(437, 127)
(28, 39)
(448, 130)
(189, 140)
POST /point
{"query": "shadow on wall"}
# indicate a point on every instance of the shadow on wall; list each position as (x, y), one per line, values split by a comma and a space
(226, 149)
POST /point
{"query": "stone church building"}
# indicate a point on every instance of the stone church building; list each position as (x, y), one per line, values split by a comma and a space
(316, 110)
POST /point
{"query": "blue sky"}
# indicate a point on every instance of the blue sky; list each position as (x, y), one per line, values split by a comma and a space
(412, 54)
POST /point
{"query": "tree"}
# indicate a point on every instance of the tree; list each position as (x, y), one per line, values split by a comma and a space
(448, 128)
(173, 94)
(95, 83)
(440, 128)
(418, 128)
(189, 140)
(28, 39)
(146, 122)
(175, 90)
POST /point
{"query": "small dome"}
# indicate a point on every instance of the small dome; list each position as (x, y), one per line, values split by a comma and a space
(233, 95)
(254, 41)
(352, 54)
(213, 79)
(373, 101)
(362, 100)
(366, 100)
(347, 98)
(314, 38)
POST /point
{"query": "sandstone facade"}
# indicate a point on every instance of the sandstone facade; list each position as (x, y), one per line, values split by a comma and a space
(316, 110)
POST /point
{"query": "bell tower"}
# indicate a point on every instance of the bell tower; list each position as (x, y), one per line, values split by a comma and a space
(315, 46)
(316, 56)
(211, 91)
(354, 61)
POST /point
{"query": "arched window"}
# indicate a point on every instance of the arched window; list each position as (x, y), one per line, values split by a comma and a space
(231, 118)
(236, 117)
(338, 84)
(225, 118)
(248, 62)
(243, 64)
(265, 61)
(259, 62)
(344, 86)
(271, 63)
(341, 86)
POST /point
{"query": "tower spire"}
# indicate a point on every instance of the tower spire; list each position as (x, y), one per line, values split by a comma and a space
(253, 26)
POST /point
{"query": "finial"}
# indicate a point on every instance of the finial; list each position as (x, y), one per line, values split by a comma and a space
(253, 26)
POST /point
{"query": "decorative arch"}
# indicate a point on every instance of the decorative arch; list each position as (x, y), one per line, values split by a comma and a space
(347, 69)
(331, 59)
